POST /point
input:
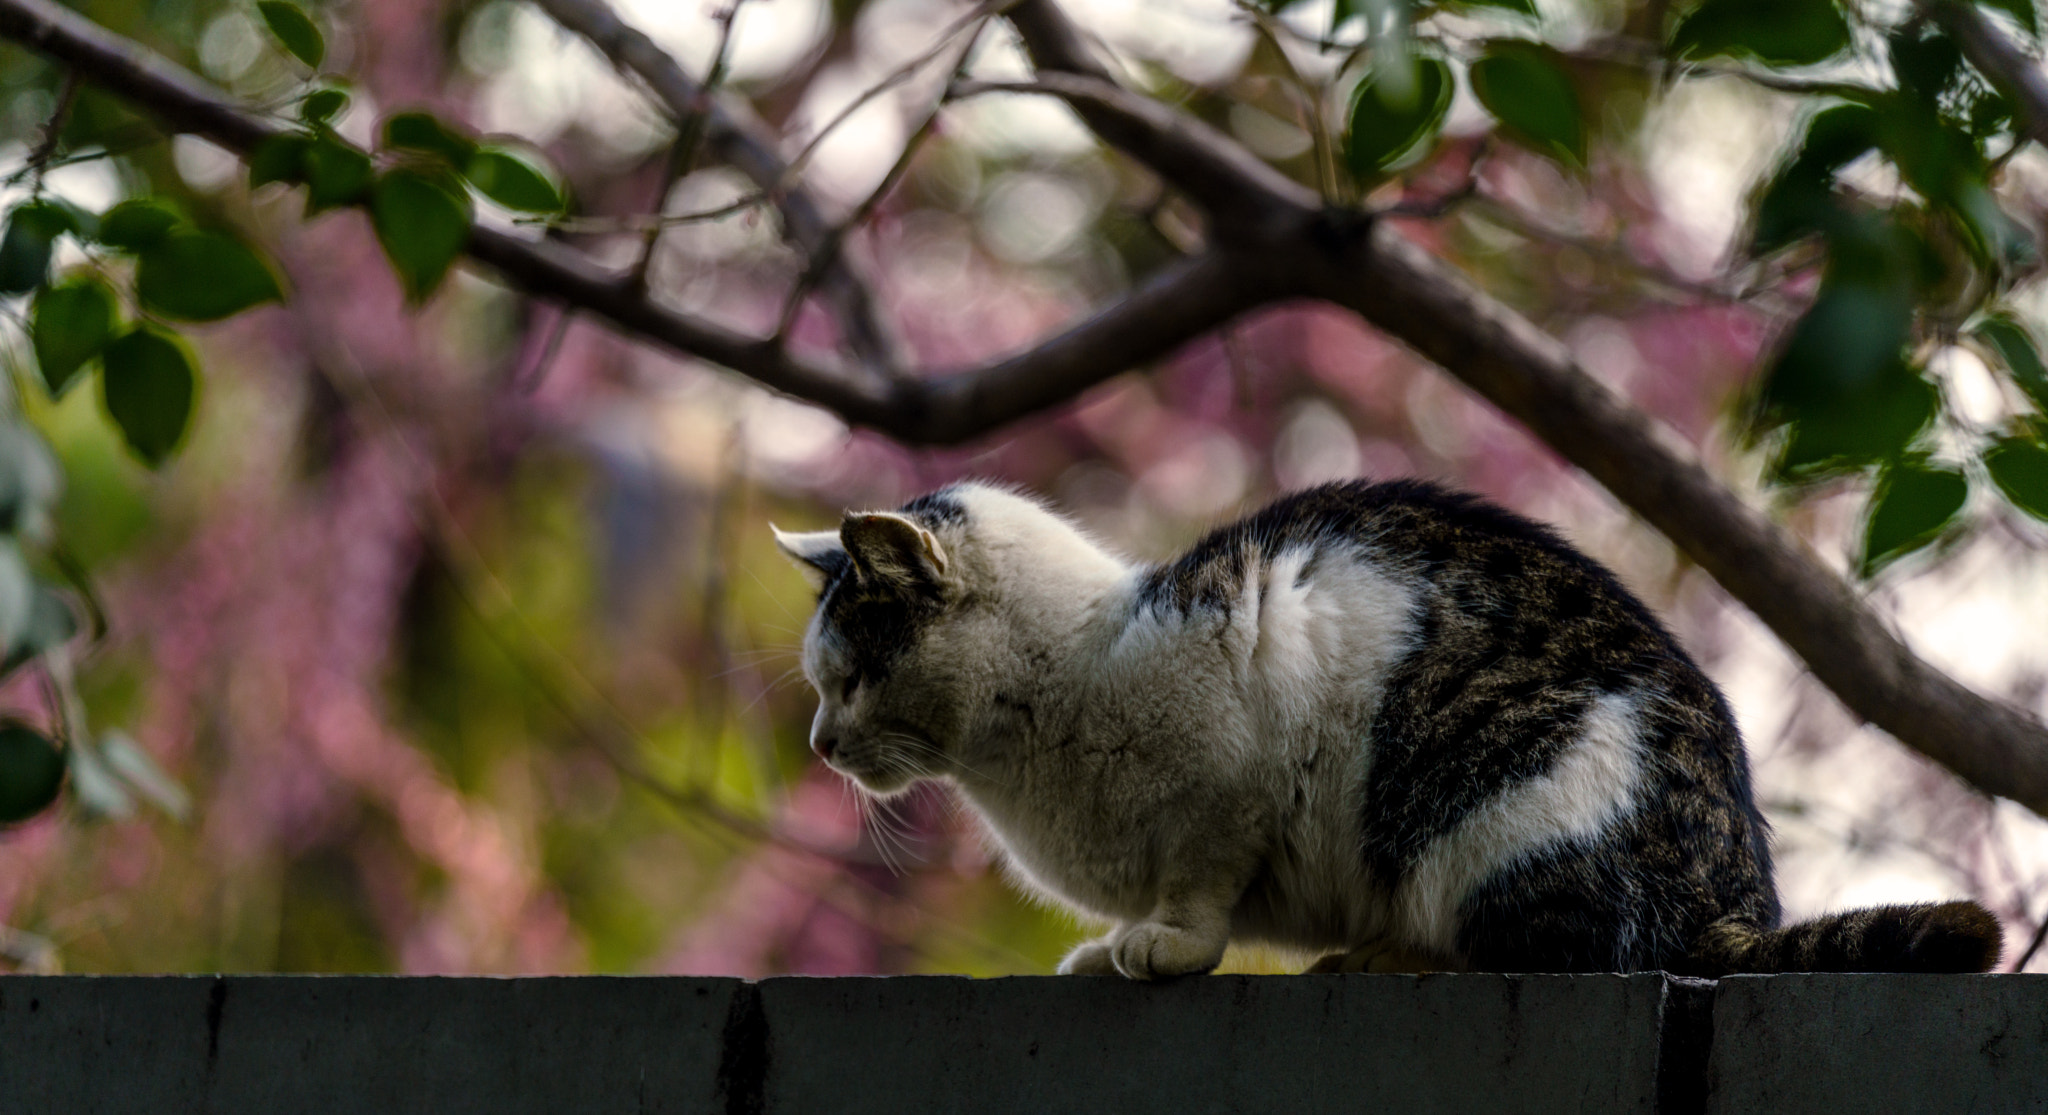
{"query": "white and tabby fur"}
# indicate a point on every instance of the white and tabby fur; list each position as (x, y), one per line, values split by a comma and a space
(1389, 723)
(1192, 781)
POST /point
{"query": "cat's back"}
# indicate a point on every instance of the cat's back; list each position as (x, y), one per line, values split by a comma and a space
(1484, 580)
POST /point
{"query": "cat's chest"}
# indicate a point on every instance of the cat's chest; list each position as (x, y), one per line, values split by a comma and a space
(1087, 845)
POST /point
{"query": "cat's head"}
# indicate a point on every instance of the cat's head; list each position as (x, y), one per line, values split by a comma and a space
(895, 647)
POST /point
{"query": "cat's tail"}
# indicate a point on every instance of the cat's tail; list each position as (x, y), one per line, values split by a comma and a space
(1949, 937)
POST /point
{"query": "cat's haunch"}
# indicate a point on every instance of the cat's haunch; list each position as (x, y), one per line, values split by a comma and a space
(1389, 723)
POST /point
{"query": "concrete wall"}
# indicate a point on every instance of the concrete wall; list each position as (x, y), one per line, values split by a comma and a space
(1291, 1044)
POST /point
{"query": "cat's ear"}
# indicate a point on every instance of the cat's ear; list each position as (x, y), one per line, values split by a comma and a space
(819, 553)
(894, 550)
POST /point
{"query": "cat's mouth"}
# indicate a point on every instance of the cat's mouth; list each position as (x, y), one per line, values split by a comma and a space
(877, 781)
(881, 771)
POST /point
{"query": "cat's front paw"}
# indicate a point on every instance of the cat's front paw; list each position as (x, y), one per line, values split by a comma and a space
(1380, 957)
(1150, 950)
(1089, 958)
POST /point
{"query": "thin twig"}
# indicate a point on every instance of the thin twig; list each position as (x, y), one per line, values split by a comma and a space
(527, 382)
(1273, 242)
(1437, 208)
(977, 18)
(683, 154)
(1500, 213)
(91, 154)
(1307, 96)
(1995, 56)
(1651, 58)
(53, 130)
(740, 138)
(827, 254)
(648, 222)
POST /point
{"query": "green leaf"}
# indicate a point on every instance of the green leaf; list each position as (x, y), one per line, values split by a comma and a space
(336, 174)
(134, 225)
(202, 276)
(281, 158)
(1384, 127)
(1852, 335)
(1925, 60)
(2015, 347)
(1523, 7)
(1941, 161)
(71, 322)
(422, 226)
(1915, 501)
(1876, 424)
(31, 772)
(1527, 88)
(32, 231)
(1774, 32)
(513, 182)
(1841, 381)
(2020, 469)
(148, 386)
(421, 131)
(1799, 200)
(29, 480)
(295, 29)
(322, 105)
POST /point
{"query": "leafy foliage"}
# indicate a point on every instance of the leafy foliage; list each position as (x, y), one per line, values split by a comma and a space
(71, 323)
(422, 132)
(148, 386)
(1915, 502)
(2020, 468)
(1528, 90)
(1885, 236)
(513, 182)
(135, 225)
(295, 29)
(1387, 126)
(1775, 32)
(2015, 348)
(422, 225)
(201, 276)
(32, 231)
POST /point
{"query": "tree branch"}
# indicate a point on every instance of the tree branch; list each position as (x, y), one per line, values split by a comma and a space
(1411, 295)
(1179, 303)
(1994, 55)
(740, 138)
(1247, 200)
(1338, 255)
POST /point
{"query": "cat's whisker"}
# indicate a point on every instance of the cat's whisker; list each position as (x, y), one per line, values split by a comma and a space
(924, 747)
(888, 843)
(907, 832)
(770, 688)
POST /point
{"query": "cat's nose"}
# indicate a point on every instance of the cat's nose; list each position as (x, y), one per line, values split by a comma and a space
(825, 745)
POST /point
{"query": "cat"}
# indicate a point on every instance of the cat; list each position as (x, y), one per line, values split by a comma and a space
(1386, 723)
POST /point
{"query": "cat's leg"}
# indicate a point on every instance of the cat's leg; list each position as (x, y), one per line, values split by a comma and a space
(1382, 955)
(1184, 938)
(1190, 927)
(1090, 958)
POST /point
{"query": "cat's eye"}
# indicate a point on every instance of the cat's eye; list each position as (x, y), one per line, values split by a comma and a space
(846, 690)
